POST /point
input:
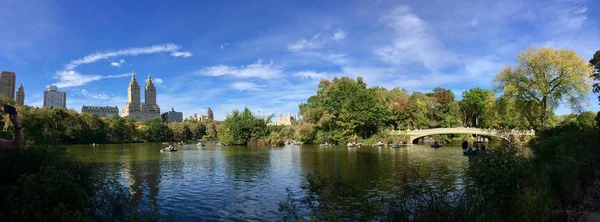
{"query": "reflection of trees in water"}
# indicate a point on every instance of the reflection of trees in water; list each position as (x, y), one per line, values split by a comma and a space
(142, 174)
(246, 164)
(369, 172)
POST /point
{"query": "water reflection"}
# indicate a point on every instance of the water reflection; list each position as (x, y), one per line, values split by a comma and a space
(243, 183)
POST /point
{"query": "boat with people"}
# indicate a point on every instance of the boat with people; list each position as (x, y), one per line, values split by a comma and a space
(436, 145)
(398, 144)
(297, 143)
(170, 148)
(181, 143)
(379, 144)
(201, 144)
(326, 144)
(353, 145)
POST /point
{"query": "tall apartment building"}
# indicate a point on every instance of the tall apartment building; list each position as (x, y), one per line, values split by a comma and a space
(20, 95)
(7, 84)
(54, 98)
(137, 110)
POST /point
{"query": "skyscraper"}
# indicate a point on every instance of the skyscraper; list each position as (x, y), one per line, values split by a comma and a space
(209, 114)
(20, 95)
(7, 84)
(54, 98)
(134, 108)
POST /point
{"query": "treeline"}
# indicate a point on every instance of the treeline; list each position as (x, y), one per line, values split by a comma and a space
(59, 126)
(525, 97)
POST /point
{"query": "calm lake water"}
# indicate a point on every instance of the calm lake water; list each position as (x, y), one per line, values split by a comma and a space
(246, 183)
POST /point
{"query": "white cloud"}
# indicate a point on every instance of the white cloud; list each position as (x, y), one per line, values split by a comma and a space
(181, 54)
(68, 76)
(304, 44)
(101, 96)
(118, 76)
(255, 70)
(242, 86)
(339, 35)
(169, 47)
(224, 46)
(312, 74)
(118, 64)
(413, 41)
(157, 80)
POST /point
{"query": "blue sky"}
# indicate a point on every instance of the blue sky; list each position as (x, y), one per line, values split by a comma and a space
(270, 55)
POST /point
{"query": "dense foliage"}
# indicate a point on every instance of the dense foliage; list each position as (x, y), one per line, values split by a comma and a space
(240, 127)
(545, 78)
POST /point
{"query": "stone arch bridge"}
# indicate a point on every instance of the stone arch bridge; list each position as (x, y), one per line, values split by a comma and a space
(512, 136)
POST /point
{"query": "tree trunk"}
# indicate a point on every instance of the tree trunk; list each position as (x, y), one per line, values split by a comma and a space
(543, 114)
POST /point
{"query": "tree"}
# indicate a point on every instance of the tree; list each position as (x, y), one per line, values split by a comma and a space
(543, 78)
(595, 62)
(158, 131)
(475, 104)
(239, 128)
(345, 107)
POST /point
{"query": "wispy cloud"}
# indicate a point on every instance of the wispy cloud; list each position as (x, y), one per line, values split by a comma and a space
(68, 76)
(243, 86)
(339, 35)
(89, 94)
(312, 75)
(118, 76)
(169, 47)
(304, 44)
(181, 54)
(224, 46)
(118, 64)
(157, 80)
(413, 41)
(254, 70)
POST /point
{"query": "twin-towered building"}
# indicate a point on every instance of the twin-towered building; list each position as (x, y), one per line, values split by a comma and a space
(137, 110)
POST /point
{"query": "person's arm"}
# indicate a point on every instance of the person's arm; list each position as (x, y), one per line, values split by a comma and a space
(17, 141)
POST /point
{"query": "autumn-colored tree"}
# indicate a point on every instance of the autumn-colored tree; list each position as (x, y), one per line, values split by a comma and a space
(544, 78)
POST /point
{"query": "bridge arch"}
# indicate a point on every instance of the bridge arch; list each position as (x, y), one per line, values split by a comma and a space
(413, 138)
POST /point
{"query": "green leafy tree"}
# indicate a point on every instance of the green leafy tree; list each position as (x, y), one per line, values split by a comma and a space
(595, 62)
(239, 128)
(343, 108)
(475, 105)
(543, 78)
(158, 131)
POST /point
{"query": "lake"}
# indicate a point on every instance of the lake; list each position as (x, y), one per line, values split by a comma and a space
(247, 183)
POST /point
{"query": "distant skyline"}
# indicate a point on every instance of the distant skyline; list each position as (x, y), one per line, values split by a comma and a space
(270, 55)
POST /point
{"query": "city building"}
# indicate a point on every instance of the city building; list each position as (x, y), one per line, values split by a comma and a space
(54, 98)
(20, 96)
(101, 111)
(283, 120)
(172, 116)
(7, 84)
(209, 114)
(137, 110)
